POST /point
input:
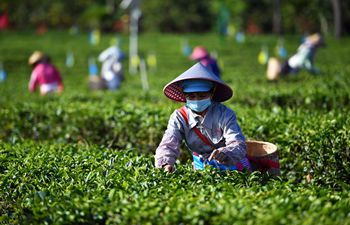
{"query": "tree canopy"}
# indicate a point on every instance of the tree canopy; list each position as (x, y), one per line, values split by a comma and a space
(254, 16)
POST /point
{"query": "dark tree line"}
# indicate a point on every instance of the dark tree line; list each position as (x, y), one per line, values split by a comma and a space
(261, 16)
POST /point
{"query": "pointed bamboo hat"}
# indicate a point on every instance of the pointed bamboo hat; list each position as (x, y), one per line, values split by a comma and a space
(35, 57)
(316, 39)
(174, 90)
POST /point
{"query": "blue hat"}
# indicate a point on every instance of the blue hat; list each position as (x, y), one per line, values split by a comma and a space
(184, 82)
(189, 86)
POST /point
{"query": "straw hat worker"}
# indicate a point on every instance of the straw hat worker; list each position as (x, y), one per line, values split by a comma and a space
(303, 59)
(45, 75)
(112, 67)
(209, 128)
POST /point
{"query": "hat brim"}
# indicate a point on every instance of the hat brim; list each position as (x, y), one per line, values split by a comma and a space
(174, 91)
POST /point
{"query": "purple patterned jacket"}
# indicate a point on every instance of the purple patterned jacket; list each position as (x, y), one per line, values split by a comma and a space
(219, 125)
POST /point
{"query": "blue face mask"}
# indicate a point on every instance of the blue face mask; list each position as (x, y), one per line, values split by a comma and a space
(198, 105)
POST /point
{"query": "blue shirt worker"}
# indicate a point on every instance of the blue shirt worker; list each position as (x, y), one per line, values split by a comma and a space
(112, 67)
(209, 128)
(302, 59)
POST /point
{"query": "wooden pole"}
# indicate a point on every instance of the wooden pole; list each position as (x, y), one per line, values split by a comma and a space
(144, 78)
(133, 43)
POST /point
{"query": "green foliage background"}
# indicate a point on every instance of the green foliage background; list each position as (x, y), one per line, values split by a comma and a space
(86, 157)
(298, 16)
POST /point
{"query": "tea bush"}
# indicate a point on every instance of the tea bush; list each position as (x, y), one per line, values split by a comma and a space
(79, 184)
(86, 157)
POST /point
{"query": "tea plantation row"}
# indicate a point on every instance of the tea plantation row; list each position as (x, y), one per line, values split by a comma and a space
(86, 157)
(76, 184)
(310, 142)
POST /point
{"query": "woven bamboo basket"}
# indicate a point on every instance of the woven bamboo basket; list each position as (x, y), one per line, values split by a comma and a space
(96, 83)
(263, 156)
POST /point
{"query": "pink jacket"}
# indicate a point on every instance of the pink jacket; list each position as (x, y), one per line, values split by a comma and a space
(44, 73)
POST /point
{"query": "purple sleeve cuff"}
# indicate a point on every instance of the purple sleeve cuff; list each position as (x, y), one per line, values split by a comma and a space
(235, 152)
(168, 150)
(160, 162)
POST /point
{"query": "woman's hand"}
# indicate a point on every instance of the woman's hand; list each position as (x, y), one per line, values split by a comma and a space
(218, 156)
(60, 89)
(169, 168)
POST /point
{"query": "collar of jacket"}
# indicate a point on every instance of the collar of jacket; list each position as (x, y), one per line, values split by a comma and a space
(193, 120)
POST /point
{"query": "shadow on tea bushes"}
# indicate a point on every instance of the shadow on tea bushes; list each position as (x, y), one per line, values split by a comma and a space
(115, 126)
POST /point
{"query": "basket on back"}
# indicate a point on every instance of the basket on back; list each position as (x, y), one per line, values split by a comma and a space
(263, 157)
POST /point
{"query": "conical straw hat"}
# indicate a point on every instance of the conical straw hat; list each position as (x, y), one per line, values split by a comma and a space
(35, 57)
(173, 90)
(314, 38)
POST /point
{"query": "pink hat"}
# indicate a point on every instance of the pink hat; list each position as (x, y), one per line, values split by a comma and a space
(174, 89)
(198, 53)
